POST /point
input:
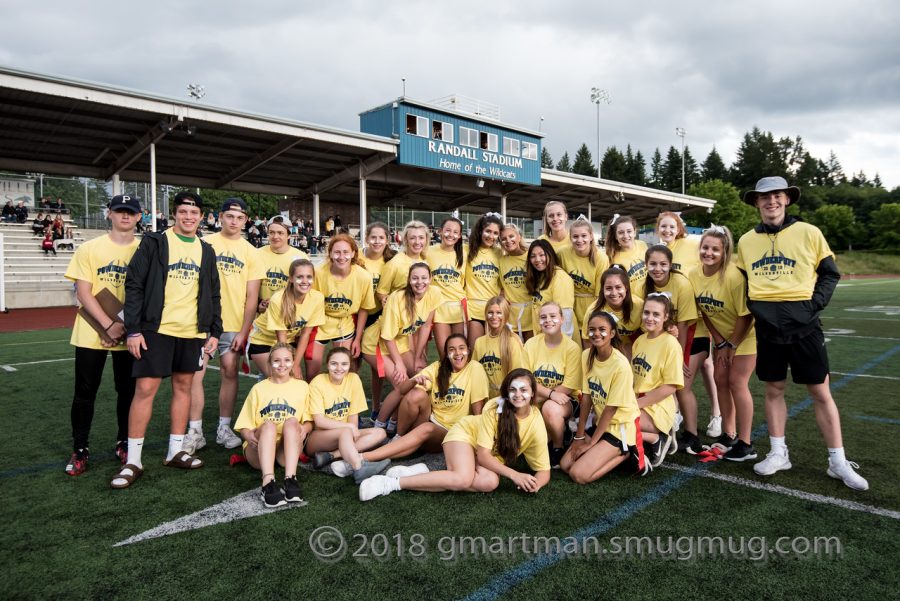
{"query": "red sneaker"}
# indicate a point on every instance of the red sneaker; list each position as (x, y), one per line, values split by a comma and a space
(122, 451)
(77, 462)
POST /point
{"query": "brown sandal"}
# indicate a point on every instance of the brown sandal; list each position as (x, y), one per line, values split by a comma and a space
(183, 461)
(136, 472)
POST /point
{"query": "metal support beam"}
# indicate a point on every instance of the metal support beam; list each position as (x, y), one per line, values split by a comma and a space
(316, 227)
(370, 165)
(153, 135)
(257, 161)
(503, 206)
(116, 184)
(153, 186)
(362, 204)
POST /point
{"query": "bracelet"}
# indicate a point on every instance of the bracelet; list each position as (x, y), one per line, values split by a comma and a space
(134, 335)
(725, 344)
(106, 329)
(579, 437)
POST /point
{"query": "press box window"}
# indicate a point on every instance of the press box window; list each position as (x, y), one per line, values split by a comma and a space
(529, 151)
(468, 137)
(488, 142)
(511, 147)
(417, 126)
(442, 131)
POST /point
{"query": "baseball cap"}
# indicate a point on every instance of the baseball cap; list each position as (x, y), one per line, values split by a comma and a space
(123, 202)
(186, 197)
(234, 203)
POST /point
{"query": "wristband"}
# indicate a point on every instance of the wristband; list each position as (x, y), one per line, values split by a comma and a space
(106, 329)
(579, 437)
(725, 344)
(134, 335)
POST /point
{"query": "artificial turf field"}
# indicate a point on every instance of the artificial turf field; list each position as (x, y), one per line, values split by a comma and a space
(59, 534)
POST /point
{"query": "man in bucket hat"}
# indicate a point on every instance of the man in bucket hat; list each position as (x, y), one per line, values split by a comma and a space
(791, 275)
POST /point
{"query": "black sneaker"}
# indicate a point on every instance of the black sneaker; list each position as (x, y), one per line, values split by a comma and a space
(724, 442)
(741, 451)
(556, 456)
(272, 495)
(292, 492)
(321, 459)
(690, 444)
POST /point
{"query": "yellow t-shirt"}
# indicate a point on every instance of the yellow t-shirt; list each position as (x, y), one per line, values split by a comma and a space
(512, 282)
(395, 324)
(449, 280)
(610, 383)
(487, 352)
(275, 269)
(308, 314)
(179, 314)
(103, 263)
(374, 266)
(557, 366)
(585, 277)
(560, 290)
(336, 401)
(238, 263)
(723, 301)
(395, 273)
(557, 246)
(633, 262)
(625, 326)
(482, 280)
(684, 307)
(467, 387)
(271, 402)
(532, 435)
(657, 362)
(782, 266)
(343, 299)
(685, 254)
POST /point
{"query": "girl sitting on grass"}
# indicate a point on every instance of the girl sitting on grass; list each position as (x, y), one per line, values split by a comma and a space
(480, 449)
(271, 424)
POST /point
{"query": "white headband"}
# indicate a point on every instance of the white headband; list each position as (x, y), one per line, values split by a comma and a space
(716, 229)
(667, 294)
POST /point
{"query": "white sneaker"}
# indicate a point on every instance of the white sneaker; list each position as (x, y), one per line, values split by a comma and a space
(845, 472)
(402, 471)
(341, 468)
(376, 486)
(226, 437)
(774, 462)
(193, 441)
(714, 429)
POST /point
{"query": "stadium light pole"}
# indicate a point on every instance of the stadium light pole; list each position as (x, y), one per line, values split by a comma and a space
(681, 132)
(598, 96)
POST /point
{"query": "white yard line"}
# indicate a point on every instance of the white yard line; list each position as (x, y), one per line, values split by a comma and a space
(789, 492)
(35, 342)
(840, 373)
(13, 366)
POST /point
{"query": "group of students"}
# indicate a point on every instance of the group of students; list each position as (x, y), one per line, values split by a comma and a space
(573, 357)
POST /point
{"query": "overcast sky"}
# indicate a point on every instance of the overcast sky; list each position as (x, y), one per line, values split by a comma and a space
(826, 71)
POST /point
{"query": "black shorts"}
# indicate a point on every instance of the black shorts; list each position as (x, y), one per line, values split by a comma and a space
(614, 441)
(349, 336)
(806, 357)
(700, 345)
(258, 349)
(372, 318)
(166, 355)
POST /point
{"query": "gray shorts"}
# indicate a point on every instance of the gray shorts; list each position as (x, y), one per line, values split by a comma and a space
(225, 342)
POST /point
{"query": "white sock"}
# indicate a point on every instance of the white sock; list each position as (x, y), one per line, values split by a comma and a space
(379, 424)
(175, 443)
(778, 444)
(135, 446)
(224, 421)
(196, 424)
(392, 484)
(836, 456)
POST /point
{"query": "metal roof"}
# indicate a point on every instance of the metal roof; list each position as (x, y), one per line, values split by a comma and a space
(69, 127)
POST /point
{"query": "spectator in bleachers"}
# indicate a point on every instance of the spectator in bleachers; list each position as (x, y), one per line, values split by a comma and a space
(47, 244)
(38, 226)
(9, 212)
(58, 205)
(45, 202)
(21, 212)
(58, 228)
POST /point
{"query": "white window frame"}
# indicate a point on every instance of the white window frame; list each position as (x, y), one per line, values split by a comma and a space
(529, 151)
(446, 131)
(422, 126)
(465, 135)
(493, 141)
(512, 147)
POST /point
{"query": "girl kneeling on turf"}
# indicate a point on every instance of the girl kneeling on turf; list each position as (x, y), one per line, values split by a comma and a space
(336, 400)
(481, 448)
(608, 385)
(499, 351)
(656, 362)
(270, 423)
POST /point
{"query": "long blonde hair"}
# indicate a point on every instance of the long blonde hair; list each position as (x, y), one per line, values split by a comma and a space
(584, 223)
(506, 336)
(290, 297)
(724, 234)
(547, 206)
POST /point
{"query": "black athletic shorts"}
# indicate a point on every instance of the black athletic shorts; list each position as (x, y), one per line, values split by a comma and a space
(372, 318)
(166, 355)
(258, 349)
(700, 345)
(806, 357)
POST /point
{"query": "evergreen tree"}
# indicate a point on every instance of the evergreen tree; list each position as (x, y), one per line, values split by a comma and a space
(834, 173)
(564, 164)
(691, 171)
(807, 173)
(877, 181)
(759, 155)
(671, 171)
(546, 159)
(614, 165)
(584, 162)
(635, 168)
(713, 167)
(656, 170)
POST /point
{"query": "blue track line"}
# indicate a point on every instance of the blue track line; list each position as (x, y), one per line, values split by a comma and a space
(513, 577)
(878, 420)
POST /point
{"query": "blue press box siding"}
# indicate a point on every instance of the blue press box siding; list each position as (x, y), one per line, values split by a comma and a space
(428, 152)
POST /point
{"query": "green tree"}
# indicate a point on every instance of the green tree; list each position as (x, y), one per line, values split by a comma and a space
(656, 170)
(691, 171)
(635, 168)
(671, 171)
(730, 210)
(834, 173)
(614, 165)
(838, 224)
(584, 162)
(760, 155)
(564, 164)
(546, 159)
(713, 167)
(885, 226)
